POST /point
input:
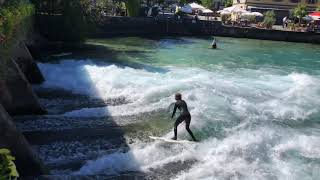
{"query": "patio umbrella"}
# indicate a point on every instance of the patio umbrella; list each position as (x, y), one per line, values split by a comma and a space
(186, 9)
(206, 11)
(315, 15)
(196, 6)
(257, 14)
(307, 18)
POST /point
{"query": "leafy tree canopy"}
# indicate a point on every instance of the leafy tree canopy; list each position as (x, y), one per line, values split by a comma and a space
(300, 11)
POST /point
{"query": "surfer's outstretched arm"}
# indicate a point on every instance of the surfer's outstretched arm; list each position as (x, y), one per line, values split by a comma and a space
(174, 110)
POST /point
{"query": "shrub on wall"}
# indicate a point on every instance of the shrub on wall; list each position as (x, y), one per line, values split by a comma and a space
(207, 3)
(269, 19)
(15, 21)
(300, 11)
(8, 169)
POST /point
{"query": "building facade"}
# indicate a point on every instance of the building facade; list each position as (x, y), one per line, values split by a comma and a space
(281, 7)
(277, 4)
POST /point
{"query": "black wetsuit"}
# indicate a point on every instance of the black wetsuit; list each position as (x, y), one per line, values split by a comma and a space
(184, 116)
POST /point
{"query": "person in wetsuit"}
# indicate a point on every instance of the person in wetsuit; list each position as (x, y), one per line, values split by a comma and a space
(184, 116)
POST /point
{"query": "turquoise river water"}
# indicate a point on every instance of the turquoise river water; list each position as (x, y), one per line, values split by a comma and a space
(255, 107)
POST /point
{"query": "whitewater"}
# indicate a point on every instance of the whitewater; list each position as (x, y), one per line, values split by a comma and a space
(257, 116)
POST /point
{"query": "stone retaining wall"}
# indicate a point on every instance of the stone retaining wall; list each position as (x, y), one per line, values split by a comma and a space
(27, 64)
(129, 26)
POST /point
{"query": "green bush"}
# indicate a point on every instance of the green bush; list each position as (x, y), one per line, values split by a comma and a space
(269, 19)
(318, 8)
(228, 3)
(300, 11)
(8, 169)
(15, 23)
(207, 3)
(225, 17)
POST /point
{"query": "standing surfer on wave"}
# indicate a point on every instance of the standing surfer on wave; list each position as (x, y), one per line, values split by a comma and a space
(184, 116)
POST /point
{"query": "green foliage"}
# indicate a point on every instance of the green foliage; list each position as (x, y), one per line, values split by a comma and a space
(14, 20)
(318, 8)
(8, 169)
(228, 3)
(250, 18)
(225, 17)
(269, 19)
(182, 2)
(15, 23)
(300, 11)
(207, 3)
(133, 7)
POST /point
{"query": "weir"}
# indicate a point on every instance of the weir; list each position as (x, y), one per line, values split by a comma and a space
(252, 104)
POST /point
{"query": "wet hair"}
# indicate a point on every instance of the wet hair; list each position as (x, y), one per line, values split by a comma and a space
(178, 96)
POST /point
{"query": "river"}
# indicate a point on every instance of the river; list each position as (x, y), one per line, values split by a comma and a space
(255, 108)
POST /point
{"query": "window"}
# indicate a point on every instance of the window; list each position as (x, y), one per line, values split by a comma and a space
(312, 1)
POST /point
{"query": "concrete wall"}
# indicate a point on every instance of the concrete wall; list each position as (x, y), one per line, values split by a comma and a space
(151, 26)
(27, 64)
(28, 164)
(16, 94)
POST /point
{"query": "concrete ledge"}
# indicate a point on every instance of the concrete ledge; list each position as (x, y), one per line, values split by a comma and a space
(27, 64)
(28, 164)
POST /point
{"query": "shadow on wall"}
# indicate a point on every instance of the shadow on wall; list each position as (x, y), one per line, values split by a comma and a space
(27, 162)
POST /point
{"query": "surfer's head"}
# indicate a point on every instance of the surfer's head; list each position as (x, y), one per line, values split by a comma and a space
(178, 96)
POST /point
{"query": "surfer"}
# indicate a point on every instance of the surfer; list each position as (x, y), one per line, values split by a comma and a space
(184, 116)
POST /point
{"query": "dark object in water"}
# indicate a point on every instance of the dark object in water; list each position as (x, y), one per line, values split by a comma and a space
(214, 44)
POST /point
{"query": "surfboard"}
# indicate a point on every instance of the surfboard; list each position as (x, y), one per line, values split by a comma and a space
(169, 140)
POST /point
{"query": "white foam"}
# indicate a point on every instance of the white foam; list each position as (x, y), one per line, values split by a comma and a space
(243, 97)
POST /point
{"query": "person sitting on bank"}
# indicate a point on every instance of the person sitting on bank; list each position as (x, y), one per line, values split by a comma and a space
(214, 44)
(285, 22)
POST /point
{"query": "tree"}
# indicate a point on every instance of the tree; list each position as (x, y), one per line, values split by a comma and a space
(300, 11)
(207, 3)
(318, 8)
(269, 19)
(228, 3)
(133, 7)
(15, 22)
